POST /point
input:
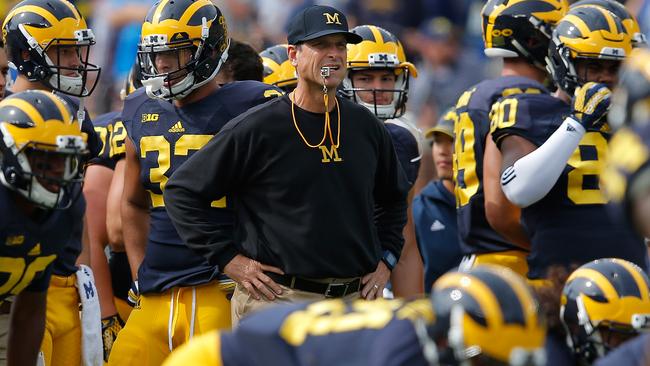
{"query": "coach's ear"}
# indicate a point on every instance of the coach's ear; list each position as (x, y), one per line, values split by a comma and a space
(292, 51)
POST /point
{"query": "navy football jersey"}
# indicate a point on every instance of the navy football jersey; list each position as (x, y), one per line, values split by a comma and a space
(94, 142)
(164, 137)
(109, 127)
(471, 129)
(330, 332)
(570, 225)
(406, 147)
(28, 248)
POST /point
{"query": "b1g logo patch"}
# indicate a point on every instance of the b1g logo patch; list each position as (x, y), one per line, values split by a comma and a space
(150, 117)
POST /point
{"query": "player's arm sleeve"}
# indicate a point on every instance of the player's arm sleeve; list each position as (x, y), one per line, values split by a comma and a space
(208, 175)
(532, 176)
(390, 193)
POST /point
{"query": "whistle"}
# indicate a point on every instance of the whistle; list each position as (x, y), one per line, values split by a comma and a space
(325, 72)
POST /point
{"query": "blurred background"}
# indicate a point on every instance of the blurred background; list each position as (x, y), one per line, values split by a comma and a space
(441, 37)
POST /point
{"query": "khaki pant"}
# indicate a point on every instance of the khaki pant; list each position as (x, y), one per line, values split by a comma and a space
(243, 303)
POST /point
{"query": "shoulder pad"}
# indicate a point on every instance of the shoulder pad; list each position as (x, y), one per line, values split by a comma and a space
(532, 116)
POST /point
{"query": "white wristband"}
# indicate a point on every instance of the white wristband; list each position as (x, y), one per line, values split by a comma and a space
(531, 177)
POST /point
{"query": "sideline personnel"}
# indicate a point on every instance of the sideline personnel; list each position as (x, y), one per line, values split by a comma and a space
(303, 184)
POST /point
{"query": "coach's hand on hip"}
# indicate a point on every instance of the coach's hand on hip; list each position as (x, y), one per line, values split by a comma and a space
(249, 273)
(374, 282)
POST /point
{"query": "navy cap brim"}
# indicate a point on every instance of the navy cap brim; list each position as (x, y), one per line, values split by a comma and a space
(350, 37)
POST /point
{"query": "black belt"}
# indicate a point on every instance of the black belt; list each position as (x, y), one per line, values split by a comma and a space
(327, 289)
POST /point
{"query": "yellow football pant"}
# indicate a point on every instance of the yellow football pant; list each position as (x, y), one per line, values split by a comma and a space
(62, 338)
(200, 351)
(165, 321)
(513, 259)
(123, 309)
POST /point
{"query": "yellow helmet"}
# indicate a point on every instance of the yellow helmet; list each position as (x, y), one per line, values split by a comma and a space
(486, 303)
(40, 123)
(521, 28)
(590, 32)
(606, 294)
(34, 26)
(278, 70)
(629, 21)
(197, 27)
(379, 49)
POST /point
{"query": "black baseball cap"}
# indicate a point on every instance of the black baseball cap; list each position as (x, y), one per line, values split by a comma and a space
(318, 21)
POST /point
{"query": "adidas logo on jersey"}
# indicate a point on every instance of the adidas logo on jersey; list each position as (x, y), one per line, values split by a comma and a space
(177, 127)
(437, 226)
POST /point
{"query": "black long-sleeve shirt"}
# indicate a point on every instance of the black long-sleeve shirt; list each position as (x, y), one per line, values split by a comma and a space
(306, 210)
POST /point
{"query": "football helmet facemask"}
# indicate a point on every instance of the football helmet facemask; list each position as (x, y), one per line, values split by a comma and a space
(192, 33)
(600, 299)
(41, 145)
(38, 26)
(378, 50)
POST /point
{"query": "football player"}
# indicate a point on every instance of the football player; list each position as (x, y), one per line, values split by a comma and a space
(183, 46)
(103, 182)
(519, 32)
(604, 303)
(458, 326)
(553, 153)
(626, 179)
(378, 78)
(243, 63)
(41, 147)
(49, 43)
(278, 70)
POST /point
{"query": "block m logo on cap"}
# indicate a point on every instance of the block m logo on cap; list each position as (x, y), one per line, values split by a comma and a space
(332, 19)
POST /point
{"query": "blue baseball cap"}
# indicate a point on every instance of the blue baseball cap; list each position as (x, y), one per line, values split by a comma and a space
(318, 21)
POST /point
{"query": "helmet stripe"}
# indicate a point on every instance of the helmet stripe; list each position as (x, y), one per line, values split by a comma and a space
(73, 9)
(26, 108)
(48, 108)
(376, 34)
(32, 9)
(640, 278)
(208, 11)
(63, 109)
(620, 278)
(511, 306)
(158, 12)
(190, 11)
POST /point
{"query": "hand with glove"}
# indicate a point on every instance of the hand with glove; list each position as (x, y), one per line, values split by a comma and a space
(590, 105)
(111, 326)
(133, 297)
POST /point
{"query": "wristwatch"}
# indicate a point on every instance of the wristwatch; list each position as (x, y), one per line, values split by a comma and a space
(389, 259)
